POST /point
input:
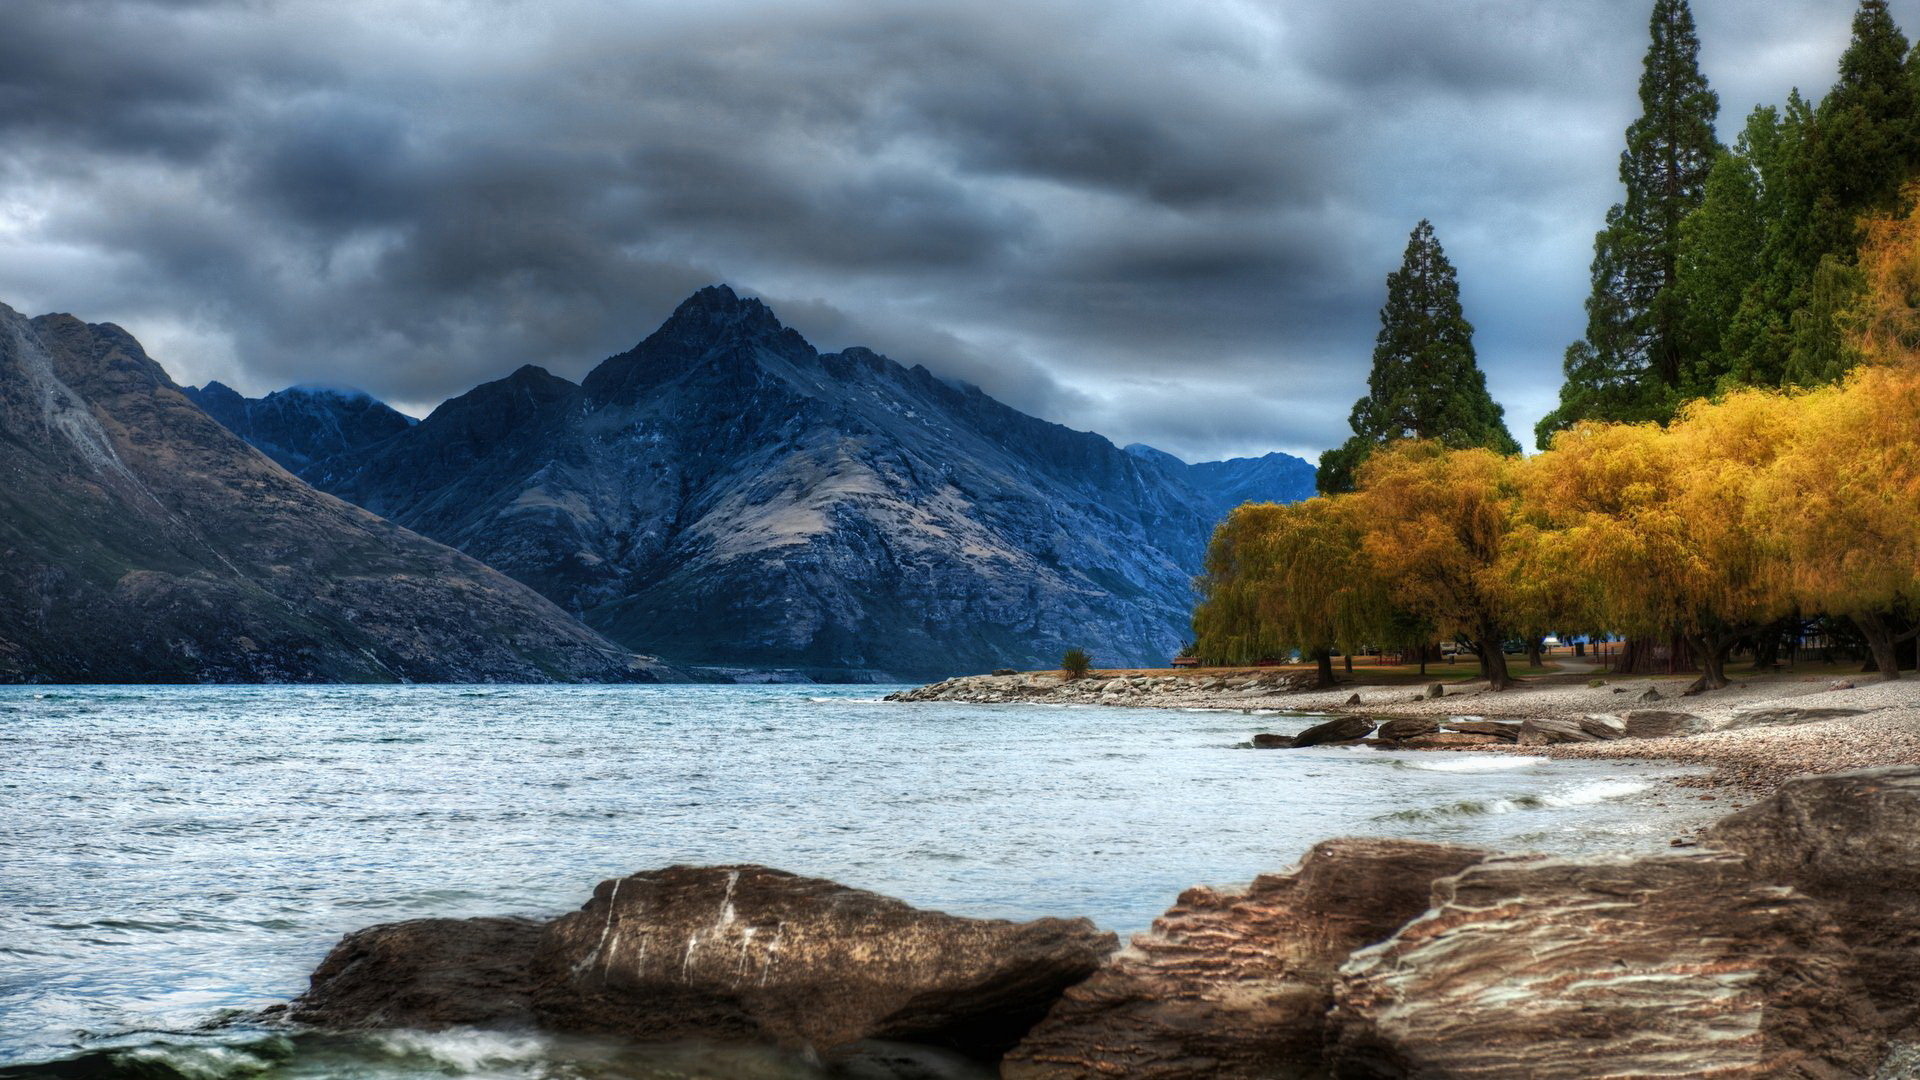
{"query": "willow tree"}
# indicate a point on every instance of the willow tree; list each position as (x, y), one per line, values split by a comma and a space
(1436, 523)
(1658, 523)
(1425, 382)
(1290, 577)
(1632, 358)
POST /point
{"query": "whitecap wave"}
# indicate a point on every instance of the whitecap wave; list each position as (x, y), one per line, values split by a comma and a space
(1473, 763)
(1595, 792)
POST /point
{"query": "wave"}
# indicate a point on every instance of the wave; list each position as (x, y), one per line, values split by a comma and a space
(1598, 791)
(1473, 763)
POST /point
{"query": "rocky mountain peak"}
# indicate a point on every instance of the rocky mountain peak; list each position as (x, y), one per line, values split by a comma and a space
(717, 312)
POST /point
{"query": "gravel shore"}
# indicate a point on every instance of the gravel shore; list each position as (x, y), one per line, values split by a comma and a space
(1753, 734)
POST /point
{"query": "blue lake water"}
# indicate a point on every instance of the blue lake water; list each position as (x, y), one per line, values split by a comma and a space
(173, 855)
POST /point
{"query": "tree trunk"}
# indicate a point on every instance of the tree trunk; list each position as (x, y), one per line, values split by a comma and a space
(1880, 640)
(1533, 651)
(1712, 655)
(1348, 657)
(1423, 658)
(1324, 659)
(1493, 662)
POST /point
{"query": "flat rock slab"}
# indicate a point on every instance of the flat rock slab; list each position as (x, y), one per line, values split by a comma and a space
(1547, 731)
(1852, 841)
(1536, 968)
(744, 952)
(1500, 729)
(1407, 727)
(1237, 983)
(1662, 724)
(1786, 716)
(1443, 739)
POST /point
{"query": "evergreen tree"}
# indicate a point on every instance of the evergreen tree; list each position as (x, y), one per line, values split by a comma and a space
(1633, 357)
(1425, 382)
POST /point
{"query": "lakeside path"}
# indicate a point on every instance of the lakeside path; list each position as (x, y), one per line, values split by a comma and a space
(1758, 732)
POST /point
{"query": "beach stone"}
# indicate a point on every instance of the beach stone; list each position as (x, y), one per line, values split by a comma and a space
(1503, 730)
(1444, 739)
(1662, 724)
(1354, 699)
(1651, 694)
(1406, 727)
(1786, 716)
(1339, 729)
(1538, 968)
(1266, 740)
(1852, 841)
(748, 953)
(1549, 730)
(1437, 690)
(1237, 982)
(425, 973)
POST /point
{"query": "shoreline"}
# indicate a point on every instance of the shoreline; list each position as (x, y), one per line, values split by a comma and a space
(1752, 735)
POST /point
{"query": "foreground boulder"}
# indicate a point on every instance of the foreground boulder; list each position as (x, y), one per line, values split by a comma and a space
(718, 954)
(1673, 965)
(756, 954)
(426, 973)
(1852, 841)
(1237, 983)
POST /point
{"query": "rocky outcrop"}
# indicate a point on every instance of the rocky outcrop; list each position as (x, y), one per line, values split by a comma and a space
(1150, 690)
(1535, 968)
(726, 954)
(1237, 983)
(1851, 841)
(1503, 730)
(1407, 727)
(140, 541)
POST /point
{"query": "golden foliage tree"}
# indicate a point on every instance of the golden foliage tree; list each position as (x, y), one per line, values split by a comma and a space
(1437, 523)
(1287, 577)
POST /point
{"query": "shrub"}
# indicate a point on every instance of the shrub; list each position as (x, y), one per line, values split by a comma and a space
(1076, 663)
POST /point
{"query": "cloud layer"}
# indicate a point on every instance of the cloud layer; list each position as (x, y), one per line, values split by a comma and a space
(1166, 223)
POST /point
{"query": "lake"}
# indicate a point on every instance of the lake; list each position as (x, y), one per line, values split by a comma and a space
(174, 856)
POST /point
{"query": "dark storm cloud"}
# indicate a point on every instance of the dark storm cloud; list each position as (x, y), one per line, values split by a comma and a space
(1168, 223)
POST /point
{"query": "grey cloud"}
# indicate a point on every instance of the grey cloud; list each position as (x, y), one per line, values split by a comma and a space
(1167, 223)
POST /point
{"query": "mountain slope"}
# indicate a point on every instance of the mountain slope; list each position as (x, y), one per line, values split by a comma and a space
(142, 541)
(301, 424)
(1276, 477)
(724, 494)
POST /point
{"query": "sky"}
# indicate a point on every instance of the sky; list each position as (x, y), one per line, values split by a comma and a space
(1168, 223)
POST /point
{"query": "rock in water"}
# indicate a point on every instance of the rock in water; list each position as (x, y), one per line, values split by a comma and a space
(1852, 841)
(745, 952)
(1407, 727)
(1340, 729)
(1499, 729)
(1236, 983)
(1267, 740)
(426, 973)
(1535, 968)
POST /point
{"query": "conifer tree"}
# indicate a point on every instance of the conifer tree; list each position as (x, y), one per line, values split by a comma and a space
(1425, 383)
(1633, 356)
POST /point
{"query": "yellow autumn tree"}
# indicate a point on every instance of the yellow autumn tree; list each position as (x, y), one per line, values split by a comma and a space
(1885, 319)
(1654, 527)
(1843, 502)
(1435, 525)
(1286, 577)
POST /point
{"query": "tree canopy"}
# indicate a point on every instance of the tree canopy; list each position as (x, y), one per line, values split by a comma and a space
(1425, 382)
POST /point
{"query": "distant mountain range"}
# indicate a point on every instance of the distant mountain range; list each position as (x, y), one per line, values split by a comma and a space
(725, 495)
(141, 541)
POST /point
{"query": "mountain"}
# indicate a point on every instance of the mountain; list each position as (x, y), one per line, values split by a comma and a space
(1275, 477)
(723, 494)
(302, 424)
(142, 541)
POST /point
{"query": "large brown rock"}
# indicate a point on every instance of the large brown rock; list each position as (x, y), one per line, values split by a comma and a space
(1504, 730)
(1662, 724)
(1547, 731)
(426, 973)
(1852, 841)
(1339, 729)
(747, 953)
(1236, 983)
(1406, 727)
(1673, 965)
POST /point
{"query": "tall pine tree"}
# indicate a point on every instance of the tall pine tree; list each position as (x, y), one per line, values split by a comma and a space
(1633, 358)
(1425, 382)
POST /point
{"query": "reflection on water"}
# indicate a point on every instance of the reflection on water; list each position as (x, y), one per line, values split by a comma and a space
(170, 855)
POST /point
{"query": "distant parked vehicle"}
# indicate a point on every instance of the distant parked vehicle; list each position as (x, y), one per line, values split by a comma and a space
(1186, 661)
